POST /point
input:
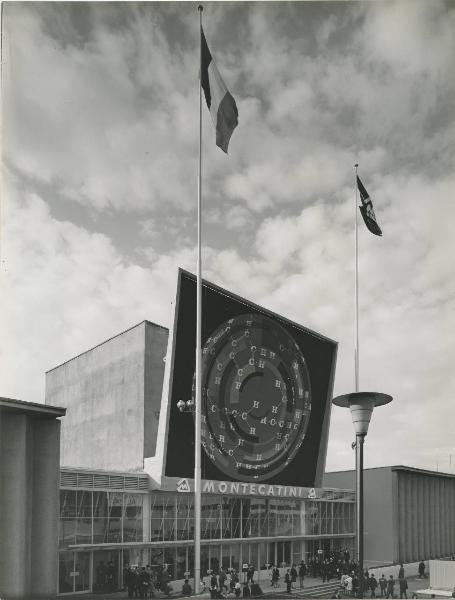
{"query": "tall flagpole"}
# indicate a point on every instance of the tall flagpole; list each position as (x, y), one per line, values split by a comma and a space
(197, 408)
(359, 438)
(356, 286)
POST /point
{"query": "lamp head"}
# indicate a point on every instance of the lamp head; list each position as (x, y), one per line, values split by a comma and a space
(181, 405)
(361, 405)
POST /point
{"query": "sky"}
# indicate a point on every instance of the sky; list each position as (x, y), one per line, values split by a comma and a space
(100, 115)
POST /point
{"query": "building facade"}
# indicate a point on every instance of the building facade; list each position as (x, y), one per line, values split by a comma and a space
(112, 517)
(409, 513)
(29, 498)
(126, 488)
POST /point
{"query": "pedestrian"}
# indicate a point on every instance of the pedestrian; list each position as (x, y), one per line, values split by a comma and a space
(288, 580)
(302, 573)
(403, 587)
(250, 574)
(293, 574)
(275, 576)
(237, 589)
(186, 588)
(390, 587)
(421, 569)
(222, 580)
(401, 572)
(373, 585)
(383, 586)
(348, 584)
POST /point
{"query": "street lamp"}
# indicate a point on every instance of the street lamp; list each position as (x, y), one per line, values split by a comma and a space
(361, 405)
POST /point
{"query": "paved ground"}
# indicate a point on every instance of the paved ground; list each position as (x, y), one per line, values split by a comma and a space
(313, 588)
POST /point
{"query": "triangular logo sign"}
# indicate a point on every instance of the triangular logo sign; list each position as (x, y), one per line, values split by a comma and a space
(183, 485)
(312, 493)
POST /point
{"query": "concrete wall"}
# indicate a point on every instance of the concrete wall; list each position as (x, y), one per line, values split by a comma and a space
(378, 511)
(112, 394)
(425, 506)
(156, 339)
(29, 497)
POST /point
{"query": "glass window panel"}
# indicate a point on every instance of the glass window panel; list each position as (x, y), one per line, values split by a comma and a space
(132, 518)
(169, 517)
(231, 508)
(156, 518)
(253, 517)
(67, 532)
(82, 568)
(185, 516)
(65, 567)
(170, 561)
(84, 504)
(115, 501)
(211, 517)
(163, 517)
(100, 530)
(113, 532)
(282, 517)
(205, 561)
(68, 503)
(100, 505)
(84, 531)
(181, 563)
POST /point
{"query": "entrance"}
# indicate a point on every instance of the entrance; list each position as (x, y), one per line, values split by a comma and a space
(74, 572)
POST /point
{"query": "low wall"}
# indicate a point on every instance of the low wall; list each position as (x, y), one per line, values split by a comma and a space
(442, 574)
(410, 570)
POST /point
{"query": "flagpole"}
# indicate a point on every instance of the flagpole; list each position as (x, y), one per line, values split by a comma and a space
(356, 288)
(197, 408)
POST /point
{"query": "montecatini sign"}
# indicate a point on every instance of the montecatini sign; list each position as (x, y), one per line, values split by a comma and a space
(235, 488)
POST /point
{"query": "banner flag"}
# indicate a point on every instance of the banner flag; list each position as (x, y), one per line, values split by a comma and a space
(220, 102)
(367, 210)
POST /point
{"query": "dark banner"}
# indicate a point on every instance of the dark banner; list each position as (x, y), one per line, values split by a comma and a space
(265, 385)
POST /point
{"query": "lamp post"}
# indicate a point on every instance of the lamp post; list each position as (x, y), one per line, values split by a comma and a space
(361, 405)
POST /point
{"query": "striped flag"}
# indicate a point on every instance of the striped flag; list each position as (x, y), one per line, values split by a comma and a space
(367, 210)
(221, 104)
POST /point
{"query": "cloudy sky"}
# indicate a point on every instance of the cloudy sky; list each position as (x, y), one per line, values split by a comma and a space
(99, 188)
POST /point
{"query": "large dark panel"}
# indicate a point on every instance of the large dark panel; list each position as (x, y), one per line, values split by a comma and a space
(297, 359)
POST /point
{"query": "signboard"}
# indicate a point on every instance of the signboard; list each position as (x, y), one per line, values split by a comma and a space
(267, 385)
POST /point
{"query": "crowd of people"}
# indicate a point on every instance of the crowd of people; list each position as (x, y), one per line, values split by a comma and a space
(143, 582)
(336, 565)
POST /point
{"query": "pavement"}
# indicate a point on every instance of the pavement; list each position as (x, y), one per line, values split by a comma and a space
(313, 588)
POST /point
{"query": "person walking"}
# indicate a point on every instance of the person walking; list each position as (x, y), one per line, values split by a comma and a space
(348, 581)
(222, 580)
(288, 580)
(401, 572)
(373, 585)
(383, 586)
(390, 587)
(293, 574)
(421, 569)
(302, 573)
(403, 587)
(275, 576)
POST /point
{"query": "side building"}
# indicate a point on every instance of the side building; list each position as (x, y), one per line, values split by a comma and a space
(126, 486)
(29, 498)
(409, 513)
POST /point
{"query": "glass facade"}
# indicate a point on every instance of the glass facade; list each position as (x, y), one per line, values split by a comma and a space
(95, 517)
(117, 527)
(172, 517)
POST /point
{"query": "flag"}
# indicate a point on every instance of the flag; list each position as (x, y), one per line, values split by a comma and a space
(220, 103)
(367, 210)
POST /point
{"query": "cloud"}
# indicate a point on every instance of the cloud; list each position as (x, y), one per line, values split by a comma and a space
(101, 111)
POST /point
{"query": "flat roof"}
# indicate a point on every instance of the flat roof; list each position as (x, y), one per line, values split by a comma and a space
(34, 409)
(106, 341)
(398, 468)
